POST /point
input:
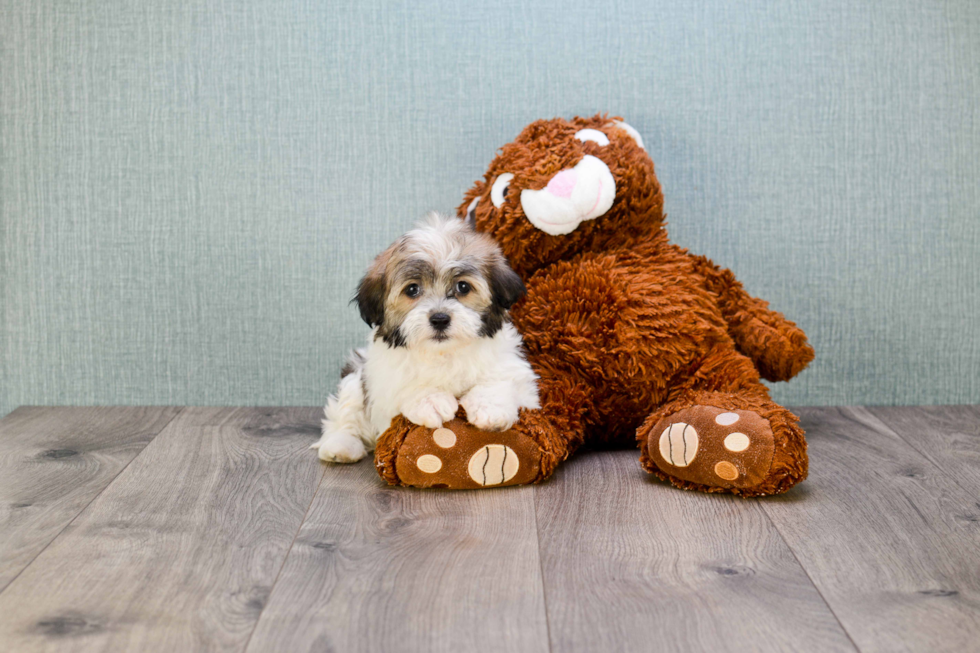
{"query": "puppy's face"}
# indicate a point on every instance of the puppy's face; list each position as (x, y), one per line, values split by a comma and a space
(439, 285)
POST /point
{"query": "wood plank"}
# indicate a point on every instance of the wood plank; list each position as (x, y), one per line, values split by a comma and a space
(53, 462)
(889, 539)
(949, 436)
(377, 568)
(181, 551)
(632, 564)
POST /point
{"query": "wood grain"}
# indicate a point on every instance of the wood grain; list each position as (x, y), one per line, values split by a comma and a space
(197, 544)
(53, 462)
(632, 564)
(949, 436)
(890, 540)
(181, 551)
(377, 568)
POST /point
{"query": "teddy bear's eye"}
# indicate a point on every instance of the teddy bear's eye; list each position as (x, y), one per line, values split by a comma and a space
(593, 135)
(499, 189)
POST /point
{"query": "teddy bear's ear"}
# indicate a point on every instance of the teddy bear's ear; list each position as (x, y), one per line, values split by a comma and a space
(635, 135)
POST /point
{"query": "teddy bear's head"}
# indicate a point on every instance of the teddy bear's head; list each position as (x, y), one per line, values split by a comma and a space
(566, 186)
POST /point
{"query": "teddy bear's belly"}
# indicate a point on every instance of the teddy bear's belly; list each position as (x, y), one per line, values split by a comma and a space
(627, 327)
(637, 376)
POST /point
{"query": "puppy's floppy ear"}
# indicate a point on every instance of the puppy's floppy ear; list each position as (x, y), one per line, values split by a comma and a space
(467, 210)
(371, 291)
(371, 299)
(506, 286)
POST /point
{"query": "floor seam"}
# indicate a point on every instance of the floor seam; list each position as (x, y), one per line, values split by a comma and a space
(180, 410)
(813, 584)
(916, 449)
(544, 588)
(289, 551)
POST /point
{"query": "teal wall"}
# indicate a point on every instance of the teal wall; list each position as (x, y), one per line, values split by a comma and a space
(189, 191)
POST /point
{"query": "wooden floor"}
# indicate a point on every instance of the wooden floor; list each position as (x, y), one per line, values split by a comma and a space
(168, 529)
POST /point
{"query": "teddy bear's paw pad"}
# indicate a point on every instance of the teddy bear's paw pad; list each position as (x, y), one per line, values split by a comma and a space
(679, 444)
(461, 456)
(494, 464)
(713, 446)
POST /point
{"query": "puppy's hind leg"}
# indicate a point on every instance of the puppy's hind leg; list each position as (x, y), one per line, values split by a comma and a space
(346, 430)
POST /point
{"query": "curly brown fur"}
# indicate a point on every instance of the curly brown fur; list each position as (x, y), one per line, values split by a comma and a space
(623, 327)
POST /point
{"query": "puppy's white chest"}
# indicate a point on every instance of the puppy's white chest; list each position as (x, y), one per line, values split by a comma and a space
(395, 376)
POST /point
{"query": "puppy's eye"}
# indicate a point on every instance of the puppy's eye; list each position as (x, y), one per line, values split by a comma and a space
(499, 189)
(593, 135)
(463, 288)
(412, 290)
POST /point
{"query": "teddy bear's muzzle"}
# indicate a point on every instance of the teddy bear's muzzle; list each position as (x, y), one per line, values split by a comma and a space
(571, 197)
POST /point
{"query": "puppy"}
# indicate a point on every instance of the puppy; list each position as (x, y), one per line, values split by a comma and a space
(437, 302)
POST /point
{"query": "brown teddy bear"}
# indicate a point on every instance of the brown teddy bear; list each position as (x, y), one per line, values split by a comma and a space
(634, 339)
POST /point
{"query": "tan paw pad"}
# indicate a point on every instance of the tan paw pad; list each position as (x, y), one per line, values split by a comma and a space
(429, 464)
(726, 419)
(444, 438)
(679, 444)
(737, 442)
(493, 464)
(726, 470)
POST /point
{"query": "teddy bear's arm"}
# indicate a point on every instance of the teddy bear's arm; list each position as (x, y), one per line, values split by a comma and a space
(775, 344)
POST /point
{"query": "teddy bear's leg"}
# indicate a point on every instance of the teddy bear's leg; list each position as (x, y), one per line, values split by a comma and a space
(777, 347)
(722, 433)
(460, 456)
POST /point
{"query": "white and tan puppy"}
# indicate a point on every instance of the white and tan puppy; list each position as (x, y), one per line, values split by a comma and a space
(437, 302)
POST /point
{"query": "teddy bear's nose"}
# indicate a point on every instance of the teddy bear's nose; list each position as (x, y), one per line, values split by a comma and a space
(562, 184)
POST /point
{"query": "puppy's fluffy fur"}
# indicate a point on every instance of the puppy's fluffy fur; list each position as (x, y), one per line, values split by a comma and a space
(437, 300)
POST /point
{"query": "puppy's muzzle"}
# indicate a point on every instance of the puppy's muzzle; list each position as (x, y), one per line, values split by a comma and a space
(439, 321)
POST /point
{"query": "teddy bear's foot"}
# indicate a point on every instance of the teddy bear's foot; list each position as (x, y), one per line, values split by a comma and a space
(748, 451)
(714, 447)
(459, 456)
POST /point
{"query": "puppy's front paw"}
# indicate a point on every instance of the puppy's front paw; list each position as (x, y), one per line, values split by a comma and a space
(432, 410)
(488, 413)
(340, 448)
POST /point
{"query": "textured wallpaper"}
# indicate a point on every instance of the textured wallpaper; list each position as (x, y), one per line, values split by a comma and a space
(189, 191)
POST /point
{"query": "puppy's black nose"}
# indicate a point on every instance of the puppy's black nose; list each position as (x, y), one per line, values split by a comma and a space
(439, 321)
